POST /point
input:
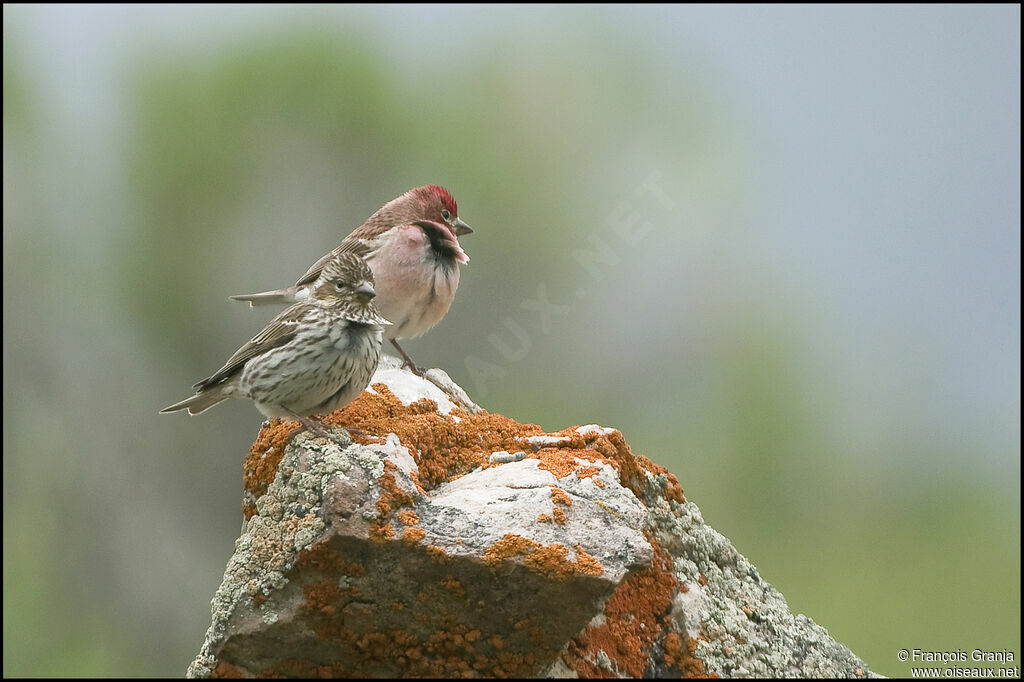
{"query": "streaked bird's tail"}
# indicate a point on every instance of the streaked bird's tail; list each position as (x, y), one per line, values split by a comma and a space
(200, 402)
(276, 297)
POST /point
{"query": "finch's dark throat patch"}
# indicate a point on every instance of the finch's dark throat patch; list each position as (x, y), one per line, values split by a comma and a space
(442, 240)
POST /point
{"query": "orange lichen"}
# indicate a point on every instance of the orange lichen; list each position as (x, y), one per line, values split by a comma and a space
(379, 533)
(323, 558)
(416, 481)
(422, 406)
(673, 646)
(408, 517)
(552, 560)
(264, 457)
(587, 564)
(452, 584)
(391, 498)
(413, 535)
(679, 655)
(559, 496)
(437, 554)
(562, 461)
(613, 447)
(322, 595)
(508, 546)
(635, 619)
(226, 671)
(444, 448)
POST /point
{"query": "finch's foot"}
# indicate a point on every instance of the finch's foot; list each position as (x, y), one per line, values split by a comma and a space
(415, 369)
(407, 362)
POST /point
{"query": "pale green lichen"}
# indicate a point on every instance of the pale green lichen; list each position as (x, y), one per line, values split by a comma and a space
(337, 461)
(370, 461)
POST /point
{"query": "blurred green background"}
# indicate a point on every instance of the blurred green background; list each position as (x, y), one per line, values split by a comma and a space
(802, 293)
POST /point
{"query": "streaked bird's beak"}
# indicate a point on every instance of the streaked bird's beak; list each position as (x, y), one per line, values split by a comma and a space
(462, 228)
(365, 292)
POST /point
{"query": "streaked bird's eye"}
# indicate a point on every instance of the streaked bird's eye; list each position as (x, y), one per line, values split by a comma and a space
(445, 214)
(340, 284)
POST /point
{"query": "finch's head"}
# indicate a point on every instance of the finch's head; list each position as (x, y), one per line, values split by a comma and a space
(435, 203)
(346, 284)
(437, 214)
(438, 205)
(434, 210)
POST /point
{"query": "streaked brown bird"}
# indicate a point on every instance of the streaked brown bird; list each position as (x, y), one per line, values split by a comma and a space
(315, 357)
(412, 245)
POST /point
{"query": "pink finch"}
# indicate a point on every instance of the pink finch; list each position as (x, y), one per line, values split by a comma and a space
(412, 245)
(315, 357)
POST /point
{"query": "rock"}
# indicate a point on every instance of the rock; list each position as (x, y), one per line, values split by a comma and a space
(408, 387)
(502, 457)
(424, 548)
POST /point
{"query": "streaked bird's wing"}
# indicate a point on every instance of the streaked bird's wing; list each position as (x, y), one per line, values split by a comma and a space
(278, 332)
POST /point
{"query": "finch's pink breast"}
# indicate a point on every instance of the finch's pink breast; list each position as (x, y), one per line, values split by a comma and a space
(415, 287)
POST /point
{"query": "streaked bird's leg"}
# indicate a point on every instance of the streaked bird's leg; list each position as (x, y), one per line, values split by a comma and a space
(317, 428)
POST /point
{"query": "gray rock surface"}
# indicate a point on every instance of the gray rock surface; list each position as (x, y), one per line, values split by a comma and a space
(440, 548)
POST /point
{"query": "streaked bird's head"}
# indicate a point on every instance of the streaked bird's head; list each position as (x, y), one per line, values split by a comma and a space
(346, 284)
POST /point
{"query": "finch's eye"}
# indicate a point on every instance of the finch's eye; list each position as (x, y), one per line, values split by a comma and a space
(446, 214)
(339, 284)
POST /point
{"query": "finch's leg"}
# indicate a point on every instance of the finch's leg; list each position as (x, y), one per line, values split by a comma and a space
(418, 371)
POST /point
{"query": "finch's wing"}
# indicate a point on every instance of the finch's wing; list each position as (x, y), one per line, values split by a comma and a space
(278, 332)
(359, 242)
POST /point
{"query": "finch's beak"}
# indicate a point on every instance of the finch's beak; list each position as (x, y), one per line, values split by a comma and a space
(365, 292)
(462, 228)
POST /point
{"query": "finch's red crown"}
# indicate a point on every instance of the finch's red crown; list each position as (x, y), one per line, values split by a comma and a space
(446, 198)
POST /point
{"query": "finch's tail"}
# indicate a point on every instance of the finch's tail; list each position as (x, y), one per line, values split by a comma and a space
(278, 296)
(200, 402)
